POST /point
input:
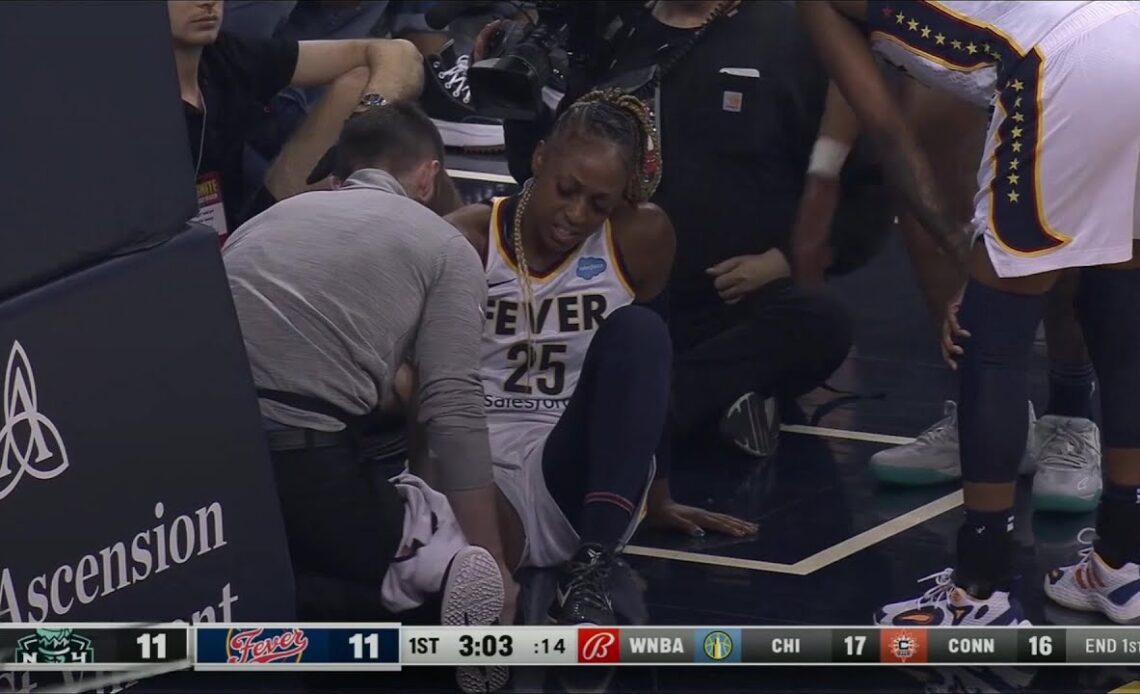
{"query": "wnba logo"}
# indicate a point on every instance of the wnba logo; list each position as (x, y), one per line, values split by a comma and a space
(27, 438)
(598, 646)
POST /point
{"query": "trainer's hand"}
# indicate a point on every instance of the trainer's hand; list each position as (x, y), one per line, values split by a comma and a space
(737, 277)
(952, 331)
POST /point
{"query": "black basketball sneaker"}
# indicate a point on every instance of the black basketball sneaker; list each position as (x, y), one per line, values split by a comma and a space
(582, 594)
(447, 100)
(752, 425)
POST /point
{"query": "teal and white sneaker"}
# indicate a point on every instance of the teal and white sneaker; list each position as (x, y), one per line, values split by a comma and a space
(933, 457)
(1068, 474)
(948, 604)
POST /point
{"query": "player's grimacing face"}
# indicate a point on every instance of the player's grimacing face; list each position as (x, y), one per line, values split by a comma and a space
(579, 182)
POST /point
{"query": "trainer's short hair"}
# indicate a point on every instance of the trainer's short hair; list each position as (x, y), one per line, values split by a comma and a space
(395, 137)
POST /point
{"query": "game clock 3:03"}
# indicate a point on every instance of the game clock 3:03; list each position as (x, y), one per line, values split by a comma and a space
(489, 646)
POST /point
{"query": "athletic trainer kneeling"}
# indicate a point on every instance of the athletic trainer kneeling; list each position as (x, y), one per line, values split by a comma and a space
(334, 291)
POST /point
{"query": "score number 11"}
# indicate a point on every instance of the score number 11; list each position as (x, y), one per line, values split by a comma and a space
(359, 641)
(147, 642)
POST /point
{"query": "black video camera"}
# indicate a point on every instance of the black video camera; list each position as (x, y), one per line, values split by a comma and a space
(570, 43)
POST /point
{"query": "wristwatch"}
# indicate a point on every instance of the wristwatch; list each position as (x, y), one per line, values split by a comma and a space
(372, 100)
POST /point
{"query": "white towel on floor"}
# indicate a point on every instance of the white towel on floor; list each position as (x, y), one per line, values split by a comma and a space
(431, 538)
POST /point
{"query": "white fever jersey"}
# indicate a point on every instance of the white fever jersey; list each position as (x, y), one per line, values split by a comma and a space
(570, 302)
(964, 48)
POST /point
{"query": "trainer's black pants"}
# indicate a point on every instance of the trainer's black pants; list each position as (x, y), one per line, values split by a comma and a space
(343, 525)
(783, 340)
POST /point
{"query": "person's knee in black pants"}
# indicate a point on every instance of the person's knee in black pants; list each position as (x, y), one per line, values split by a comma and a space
(367, 547)
(824, 337)
(599, 459)
(779, 343)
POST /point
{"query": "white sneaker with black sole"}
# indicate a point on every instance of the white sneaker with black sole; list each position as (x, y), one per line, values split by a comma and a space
(473, 595)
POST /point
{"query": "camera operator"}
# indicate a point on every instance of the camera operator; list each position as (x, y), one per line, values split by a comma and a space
(738, 95)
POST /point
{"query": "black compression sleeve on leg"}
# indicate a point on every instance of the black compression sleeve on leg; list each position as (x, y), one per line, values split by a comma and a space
(664, 452)
(618, 410)
(992, 419)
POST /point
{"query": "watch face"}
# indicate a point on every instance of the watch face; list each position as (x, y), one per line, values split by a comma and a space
(372, 100)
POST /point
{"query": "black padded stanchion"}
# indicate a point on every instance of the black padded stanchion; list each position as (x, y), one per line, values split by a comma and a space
(135, 481)
(94, 152)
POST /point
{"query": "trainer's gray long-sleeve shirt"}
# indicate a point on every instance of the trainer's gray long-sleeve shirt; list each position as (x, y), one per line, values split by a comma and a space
(335, 289)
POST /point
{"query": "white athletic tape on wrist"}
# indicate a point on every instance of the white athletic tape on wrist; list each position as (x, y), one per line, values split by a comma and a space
(827, 157)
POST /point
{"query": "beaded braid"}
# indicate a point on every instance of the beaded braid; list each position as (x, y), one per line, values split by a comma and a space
(523, 271)
(647, 165)
(589, 112)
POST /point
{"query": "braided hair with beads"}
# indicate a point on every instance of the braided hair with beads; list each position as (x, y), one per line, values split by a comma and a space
(614, 116)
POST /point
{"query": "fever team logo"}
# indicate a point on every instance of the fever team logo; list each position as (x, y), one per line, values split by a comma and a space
(255, 646)
(27, 437)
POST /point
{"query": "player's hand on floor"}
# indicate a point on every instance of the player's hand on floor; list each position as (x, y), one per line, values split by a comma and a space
(670, 515)
(952, 332)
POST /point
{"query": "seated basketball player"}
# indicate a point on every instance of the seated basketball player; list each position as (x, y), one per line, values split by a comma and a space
(1063, 448)
(1059, 182)
(575, 372)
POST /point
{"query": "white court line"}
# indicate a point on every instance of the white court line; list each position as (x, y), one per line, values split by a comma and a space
(481, 176)
(820, 559)
(879, 533)
(845, 434)
(837, 551)
(713, 560)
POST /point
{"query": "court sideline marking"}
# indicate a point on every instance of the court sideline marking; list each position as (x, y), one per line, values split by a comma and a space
(823, 558)
(836, 552)
(820, 559)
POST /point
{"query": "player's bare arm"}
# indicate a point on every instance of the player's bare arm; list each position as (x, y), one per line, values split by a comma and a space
(645, 238)
(848, 59)
(473, 221)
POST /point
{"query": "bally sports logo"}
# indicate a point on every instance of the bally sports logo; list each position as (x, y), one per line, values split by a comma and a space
(598, 646)
(246, 646)
(27, 437)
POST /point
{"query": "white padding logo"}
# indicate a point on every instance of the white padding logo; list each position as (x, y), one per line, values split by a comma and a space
(29, 441)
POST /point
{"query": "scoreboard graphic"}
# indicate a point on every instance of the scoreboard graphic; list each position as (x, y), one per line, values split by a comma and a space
(390, 647)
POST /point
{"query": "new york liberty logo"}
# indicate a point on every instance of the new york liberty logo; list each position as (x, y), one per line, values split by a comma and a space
(54, 646)
(29, 442)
